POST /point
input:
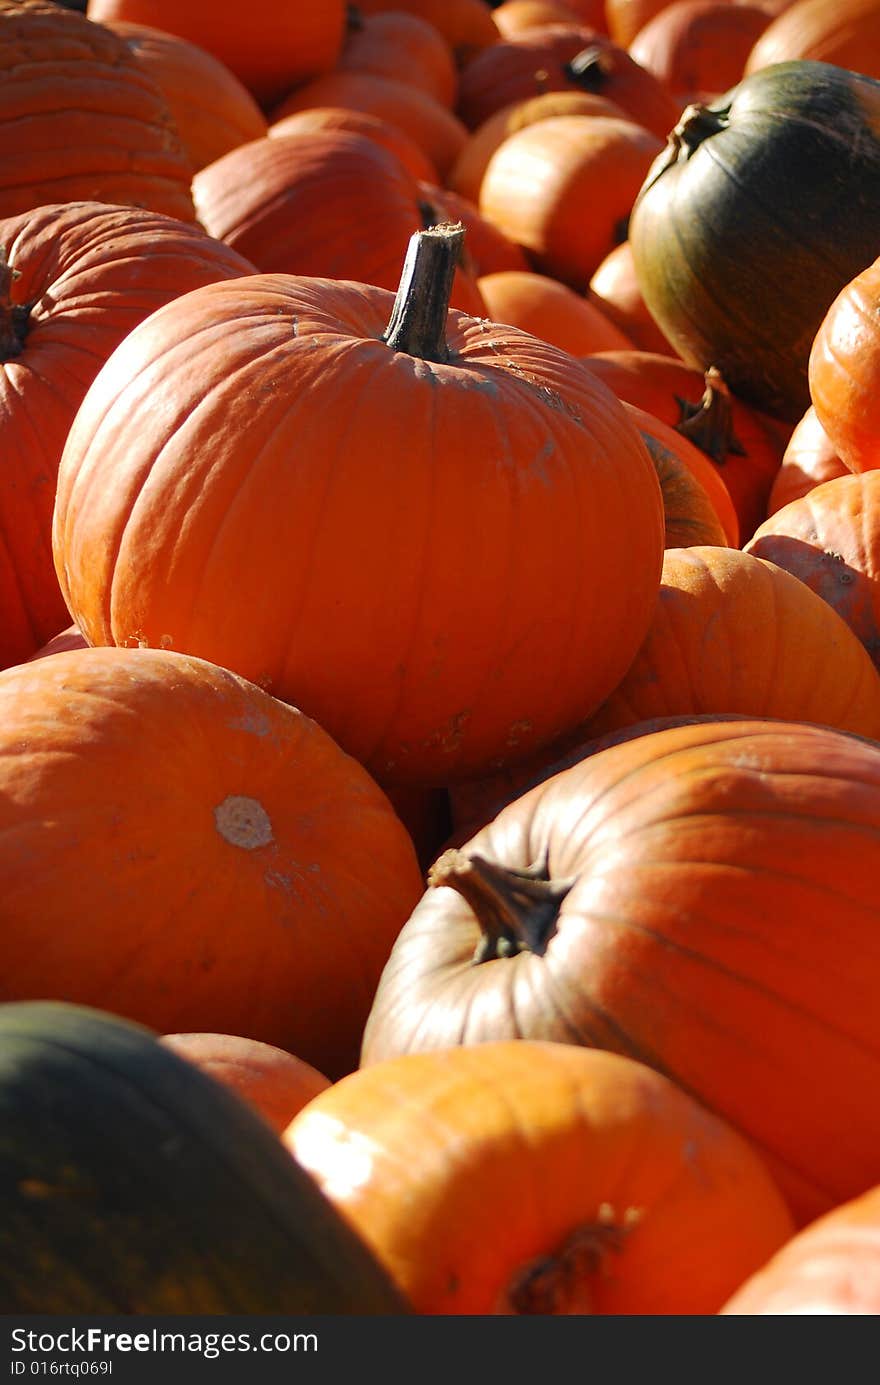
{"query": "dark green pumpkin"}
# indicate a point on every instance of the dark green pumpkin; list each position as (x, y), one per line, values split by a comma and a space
(758, 212)
(130, 1182)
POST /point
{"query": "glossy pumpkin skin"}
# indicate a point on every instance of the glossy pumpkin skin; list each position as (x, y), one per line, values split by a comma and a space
(698, 48)
(808, 460)
(132, 1183)
(735, 633)
(846, 34)
(411, 667)
(274, 1082)
(749, 224)
(563, 189)
(831, 1267)
(261, 874)
(830, 540)
(211, 108)
(745, 453)
(569, 1161)
(289, 45)
(707, 861)
(543, 306)
(111, 140)
(467, 25)
(404, 47)
(83, 275)
(615, 289)
(844, 371)
(391, 137)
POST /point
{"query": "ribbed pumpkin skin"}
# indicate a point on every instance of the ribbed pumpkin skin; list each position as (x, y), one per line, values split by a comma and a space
(131, 1183)
(708, 863)
(285, 438)
(271, 1080)
(844, 371)
(91, 272)
(211, 108)
(808, 460)
(831, 1267)
(391, 137)
(846, 33)
(734, 633)
(285, 44)
(830, 540)
(252, 885)
(81, 120)
(289, 204)
(741, 244)
(534, 1143)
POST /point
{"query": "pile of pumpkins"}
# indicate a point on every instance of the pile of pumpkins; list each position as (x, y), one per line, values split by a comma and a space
(439, 522)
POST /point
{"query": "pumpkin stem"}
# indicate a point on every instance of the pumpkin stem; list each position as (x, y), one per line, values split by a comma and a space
(709, 424)
(697, 123)
(418, 318)
(13, 316)
(516, 909)
(560, 1284)
(590, 69)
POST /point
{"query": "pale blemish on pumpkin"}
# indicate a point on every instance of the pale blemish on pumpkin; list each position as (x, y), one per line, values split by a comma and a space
(243, 822)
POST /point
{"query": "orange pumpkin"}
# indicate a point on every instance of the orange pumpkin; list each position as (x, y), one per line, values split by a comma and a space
(570, 1163)
(515, 17)
(274, 1082)
(615, 289)
(698, 48)
(467, 25)
(734, 633)
(844, 371)
(808, 460)
(691, 518)
(110, 139)
(403, 47)
(253, 884)
(698, 464)
(269, 54)
(75, 279)
(304, 441)
(672, 898)
(830, 540)
(390, 137)
(846, 34)
(550, 310)
(486, 249)
(70, 638)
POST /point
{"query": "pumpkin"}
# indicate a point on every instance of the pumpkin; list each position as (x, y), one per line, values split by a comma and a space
(74, 279)
(272, 1081)
(132, 1183)
(702, 409)
(285, 45)
(669, 899)
(561, 58)
(735, 633)
(401, 46)
(362, 470)
(614, 289)
(569, 1161)
(830, 540)
(760, 209)
(549, 310)
(467, 25)
(515, 17)
(486, 249)
(691, 518)
(626, 18)
(831, 1267)
(658, 435)
(390, 137)
(434, 128)
(70, 638)
(466, 174)
(289, 204)
(844, 371)
(698, 48)
(808, 460)
(259, 873)
(846, 34)
(111, 139)
(563, 189)
(211, 108)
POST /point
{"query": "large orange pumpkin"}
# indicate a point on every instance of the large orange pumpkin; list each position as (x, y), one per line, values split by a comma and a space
(74, 280)
(844, 371)
(530, 1178)
(401, 46)
(270, 51)
(703, 899)
(698, 48)
(467, 25)
(439, 536)
(80, 119)
(183, 850)
(846, 34)
(391, 137)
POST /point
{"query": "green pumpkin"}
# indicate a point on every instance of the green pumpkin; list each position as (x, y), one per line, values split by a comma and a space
(130, 1182)
(758, 212)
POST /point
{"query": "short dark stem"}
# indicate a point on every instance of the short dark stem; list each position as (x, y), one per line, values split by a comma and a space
(516, 909)
(13, 316)
(709, 424)
(590, 69)
(697, 123)
(418, 318)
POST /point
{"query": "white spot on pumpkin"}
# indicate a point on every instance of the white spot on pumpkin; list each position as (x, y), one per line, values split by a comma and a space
(243, 822)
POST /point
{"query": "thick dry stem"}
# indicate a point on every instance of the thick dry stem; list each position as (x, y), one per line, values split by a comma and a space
(13, 316)
(516, 909)
(709, 424)
(418, 318)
